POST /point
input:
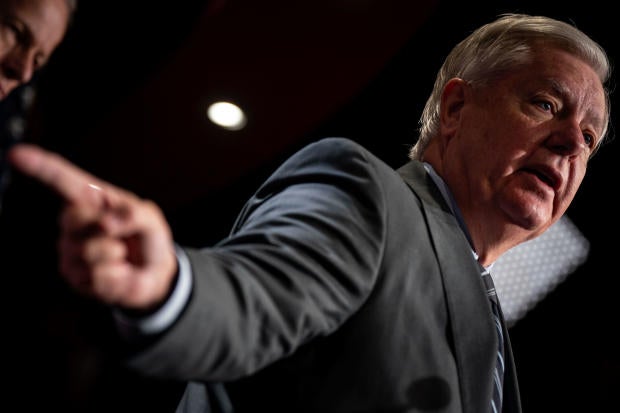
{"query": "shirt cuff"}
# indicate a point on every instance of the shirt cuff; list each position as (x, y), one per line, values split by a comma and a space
(169, 312)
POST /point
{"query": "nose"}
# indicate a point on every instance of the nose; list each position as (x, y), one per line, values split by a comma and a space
(567, 138)
(18, 65)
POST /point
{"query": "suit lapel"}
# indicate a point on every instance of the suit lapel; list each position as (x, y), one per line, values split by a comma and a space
(467, 304)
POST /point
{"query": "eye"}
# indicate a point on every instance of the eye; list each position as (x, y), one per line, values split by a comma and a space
(39, 61)
(589, 139)
(545, 105)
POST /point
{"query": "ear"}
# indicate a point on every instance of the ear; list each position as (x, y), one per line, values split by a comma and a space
(452, 101)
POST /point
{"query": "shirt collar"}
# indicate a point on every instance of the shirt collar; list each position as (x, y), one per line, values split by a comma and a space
(449, 198)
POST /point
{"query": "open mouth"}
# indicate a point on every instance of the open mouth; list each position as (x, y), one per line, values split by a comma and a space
(547, 175)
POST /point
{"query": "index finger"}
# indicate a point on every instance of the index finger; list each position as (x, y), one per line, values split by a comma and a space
(71, 182)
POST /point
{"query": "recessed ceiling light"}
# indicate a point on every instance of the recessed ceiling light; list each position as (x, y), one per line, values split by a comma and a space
(227, 115)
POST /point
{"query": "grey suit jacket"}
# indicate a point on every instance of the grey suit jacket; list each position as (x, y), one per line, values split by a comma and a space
(344, 286)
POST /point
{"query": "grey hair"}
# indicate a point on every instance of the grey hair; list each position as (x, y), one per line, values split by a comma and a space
(503, 45)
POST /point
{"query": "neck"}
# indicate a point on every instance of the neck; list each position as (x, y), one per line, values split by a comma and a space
(489, 235)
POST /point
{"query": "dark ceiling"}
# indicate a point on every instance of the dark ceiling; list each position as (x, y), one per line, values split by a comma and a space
(141, 91)
(125, 97)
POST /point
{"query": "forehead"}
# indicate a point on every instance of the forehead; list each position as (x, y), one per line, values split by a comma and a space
(46, 20)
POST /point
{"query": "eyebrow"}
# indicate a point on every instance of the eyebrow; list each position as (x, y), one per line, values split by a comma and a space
(561, 90)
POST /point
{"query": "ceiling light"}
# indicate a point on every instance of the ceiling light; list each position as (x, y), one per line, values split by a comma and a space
(227, 115)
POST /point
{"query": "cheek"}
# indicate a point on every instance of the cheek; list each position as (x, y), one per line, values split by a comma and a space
(492, 135)
(573, 184)
(6, 43)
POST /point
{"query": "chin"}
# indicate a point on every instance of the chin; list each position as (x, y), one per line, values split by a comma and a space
(530, 218)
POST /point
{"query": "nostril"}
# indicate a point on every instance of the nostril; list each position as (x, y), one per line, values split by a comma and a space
(17, 73)
(10, 70)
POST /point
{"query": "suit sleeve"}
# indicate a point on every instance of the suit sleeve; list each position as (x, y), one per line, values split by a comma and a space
(302, 257)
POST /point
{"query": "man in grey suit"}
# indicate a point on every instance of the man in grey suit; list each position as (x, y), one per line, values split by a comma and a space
(347, 286)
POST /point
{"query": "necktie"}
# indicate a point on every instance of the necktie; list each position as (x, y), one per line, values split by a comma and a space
(498, 375)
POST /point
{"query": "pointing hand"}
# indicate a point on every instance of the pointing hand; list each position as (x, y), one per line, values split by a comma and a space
(113, 245)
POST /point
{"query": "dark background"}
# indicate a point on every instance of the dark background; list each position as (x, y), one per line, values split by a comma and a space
(125, 97)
